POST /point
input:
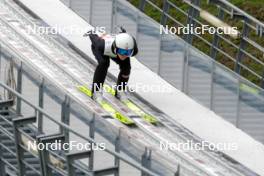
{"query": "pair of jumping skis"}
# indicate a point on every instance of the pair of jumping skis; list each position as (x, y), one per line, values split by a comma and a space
(115, 113)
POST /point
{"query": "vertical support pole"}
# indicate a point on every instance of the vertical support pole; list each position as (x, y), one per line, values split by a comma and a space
(45, 158)
(70, 158)
(160, 50)
(91, 135)
(163, 21)
(114, 15)
(44, 154)
(19, 88)
(215, 44)
(117, 149)
(238, 105)
(62, 114)
(19, 151)
(146, 160)
(137, 28)
(165, 11)
(178, 170)
(262, 81)
(2, 164)
(242, 46)
(212, 87)
(142, 4)
(17, 122)
(41, 104)
(260, 30)
(0, 64)
(70, 169)
(65, 117)
(0, 61)
(213, 54)
(192, 14)
(41, 158)
(185, 70)
(91, 12)
(70, 4)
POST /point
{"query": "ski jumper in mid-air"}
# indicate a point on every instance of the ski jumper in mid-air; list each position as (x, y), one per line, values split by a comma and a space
(119, 48)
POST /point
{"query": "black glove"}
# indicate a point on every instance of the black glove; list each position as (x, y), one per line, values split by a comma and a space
(122, 30)
(88, 33)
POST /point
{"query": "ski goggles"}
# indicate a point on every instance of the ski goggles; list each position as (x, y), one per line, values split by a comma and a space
(124, 52)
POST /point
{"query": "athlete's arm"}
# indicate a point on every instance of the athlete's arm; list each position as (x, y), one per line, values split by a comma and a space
(135, 47)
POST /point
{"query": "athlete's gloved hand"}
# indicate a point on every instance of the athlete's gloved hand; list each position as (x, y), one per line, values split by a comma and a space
(88, 33)
(121, 29)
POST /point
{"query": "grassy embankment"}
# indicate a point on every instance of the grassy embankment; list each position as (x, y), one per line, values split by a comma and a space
(253, 7)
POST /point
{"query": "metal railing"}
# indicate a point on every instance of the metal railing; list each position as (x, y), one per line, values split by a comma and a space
(67, 105)
(55, 161)
(250, 34)
(225, 92)
(42, 83)
(50, 161)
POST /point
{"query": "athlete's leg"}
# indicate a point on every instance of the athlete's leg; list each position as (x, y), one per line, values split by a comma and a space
(100, 74)
(123, 77)
(103, 63)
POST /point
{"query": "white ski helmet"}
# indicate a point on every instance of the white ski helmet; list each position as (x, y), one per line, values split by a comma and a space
(124, 44)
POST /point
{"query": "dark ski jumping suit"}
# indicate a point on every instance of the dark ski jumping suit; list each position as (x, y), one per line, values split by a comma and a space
(98, 47)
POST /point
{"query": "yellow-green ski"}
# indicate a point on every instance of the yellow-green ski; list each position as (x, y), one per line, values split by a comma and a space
(108, 107)
(147, 117)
